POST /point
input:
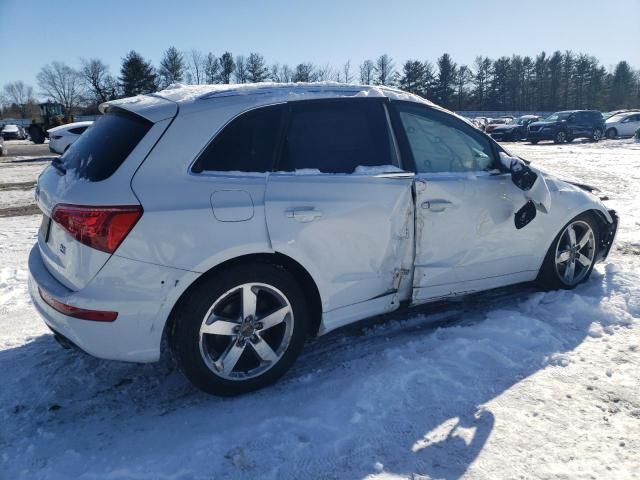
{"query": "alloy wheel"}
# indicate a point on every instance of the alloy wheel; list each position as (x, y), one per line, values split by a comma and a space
(575, 252)
(246, 331)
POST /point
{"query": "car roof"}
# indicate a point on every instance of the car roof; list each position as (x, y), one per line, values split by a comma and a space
(163, 104)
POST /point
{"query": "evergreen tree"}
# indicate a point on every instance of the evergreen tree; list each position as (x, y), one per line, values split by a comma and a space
(240, 74)
(622, 87)
(257, 70)
(172, 67)
(211, 69)
(137, 76)
(227, 66)
(303, 73)
(412, 78)
(445, 83)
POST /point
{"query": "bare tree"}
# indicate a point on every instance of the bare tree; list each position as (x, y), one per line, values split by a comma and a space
(62, 84)
(367, 69)
(99, 84)
(241, 74)
(196, 66)
(346, 72)
(384, 70)
(19, 94)
(323, 73)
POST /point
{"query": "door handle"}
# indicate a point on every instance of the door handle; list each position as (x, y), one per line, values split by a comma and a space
(436, 205)
(303, 214)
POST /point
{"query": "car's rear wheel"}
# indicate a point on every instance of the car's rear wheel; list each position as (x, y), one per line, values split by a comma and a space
(560, 137)
(240, 330)
(611, 133)
(572, 255)
(596, 135)
(533, 142)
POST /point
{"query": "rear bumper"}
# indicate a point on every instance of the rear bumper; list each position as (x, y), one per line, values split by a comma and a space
(142, 294)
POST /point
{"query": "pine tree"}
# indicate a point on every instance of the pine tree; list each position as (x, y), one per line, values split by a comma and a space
(137, 76)
(622, 86)
(445, 83)
(211, 69)
(303, 73)
(257, 70)
(227, 66)
(172, 67)
(412, 78)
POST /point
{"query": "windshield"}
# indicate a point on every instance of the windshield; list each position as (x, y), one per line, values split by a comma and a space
(554, 117)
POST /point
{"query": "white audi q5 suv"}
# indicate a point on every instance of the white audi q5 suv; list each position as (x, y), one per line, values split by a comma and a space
(238, 220)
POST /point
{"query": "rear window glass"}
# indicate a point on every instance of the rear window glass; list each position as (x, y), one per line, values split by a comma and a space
(247, 144)
(336, 137)
(98, 153)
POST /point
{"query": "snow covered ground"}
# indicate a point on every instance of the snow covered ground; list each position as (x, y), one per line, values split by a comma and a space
(512, 384)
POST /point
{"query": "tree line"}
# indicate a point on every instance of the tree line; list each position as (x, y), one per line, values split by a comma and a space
(562, 80)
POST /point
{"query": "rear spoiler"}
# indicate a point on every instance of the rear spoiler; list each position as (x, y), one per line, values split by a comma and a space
(152, 107)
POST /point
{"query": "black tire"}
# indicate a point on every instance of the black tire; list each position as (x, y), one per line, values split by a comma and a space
(533, 142)
(596, 135)
(192, 309)
(611, 133)
(560, 137)
(548, 277)
(569, 139)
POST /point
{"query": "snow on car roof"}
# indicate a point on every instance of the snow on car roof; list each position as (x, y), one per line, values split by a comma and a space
(186, 93)
(10, 128)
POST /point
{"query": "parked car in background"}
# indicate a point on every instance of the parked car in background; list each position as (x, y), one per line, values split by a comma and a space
(480, 122)
(237, 220)
(568, 125)
(622, 125)
(13, 132)
(3, 150)
(494, 122)
(515, 130)
(61, 138)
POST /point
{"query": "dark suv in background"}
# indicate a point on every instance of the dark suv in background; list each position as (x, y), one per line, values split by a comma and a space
(566, 126)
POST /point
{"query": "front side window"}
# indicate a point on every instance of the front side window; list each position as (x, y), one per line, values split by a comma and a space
(439, 142)
(247, 144)
(336, 136)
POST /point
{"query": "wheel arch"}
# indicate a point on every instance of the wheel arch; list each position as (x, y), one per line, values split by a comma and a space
(309, 286)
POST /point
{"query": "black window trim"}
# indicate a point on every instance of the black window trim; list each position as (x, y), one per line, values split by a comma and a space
(385, 101)
(403, 141)
(193, 166)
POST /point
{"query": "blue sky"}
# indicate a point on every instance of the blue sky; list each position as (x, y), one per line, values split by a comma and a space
(322, 32)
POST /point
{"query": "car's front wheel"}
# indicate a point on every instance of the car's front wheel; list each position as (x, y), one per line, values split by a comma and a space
(572, 254)
(611, 133)
(560, 137)
(240, 329)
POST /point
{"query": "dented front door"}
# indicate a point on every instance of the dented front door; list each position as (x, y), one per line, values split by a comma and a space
(466, 239)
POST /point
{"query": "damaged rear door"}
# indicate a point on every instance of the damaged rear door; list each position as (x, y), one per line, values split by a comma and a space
(340, 205)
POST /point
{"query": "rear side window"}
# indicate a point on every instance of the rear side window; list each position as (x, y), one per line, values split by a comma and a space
(96, 155)
(336, 136)
(78, 130)
(247, 144)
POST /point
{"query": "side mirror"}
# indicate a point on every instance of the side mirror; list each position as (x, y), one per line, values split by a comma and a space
(525, 215)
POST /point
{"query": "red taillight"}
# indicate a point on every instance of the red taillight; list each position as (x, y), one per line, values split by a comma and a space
(102, 228)
(76, 312)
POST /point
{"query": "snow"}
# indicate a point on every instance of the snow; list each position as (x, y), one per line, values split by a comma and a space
(514, 383)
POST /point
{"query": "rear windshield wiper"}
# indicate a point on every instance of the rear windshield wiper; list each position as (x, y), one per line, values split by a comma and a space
(58, 165)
